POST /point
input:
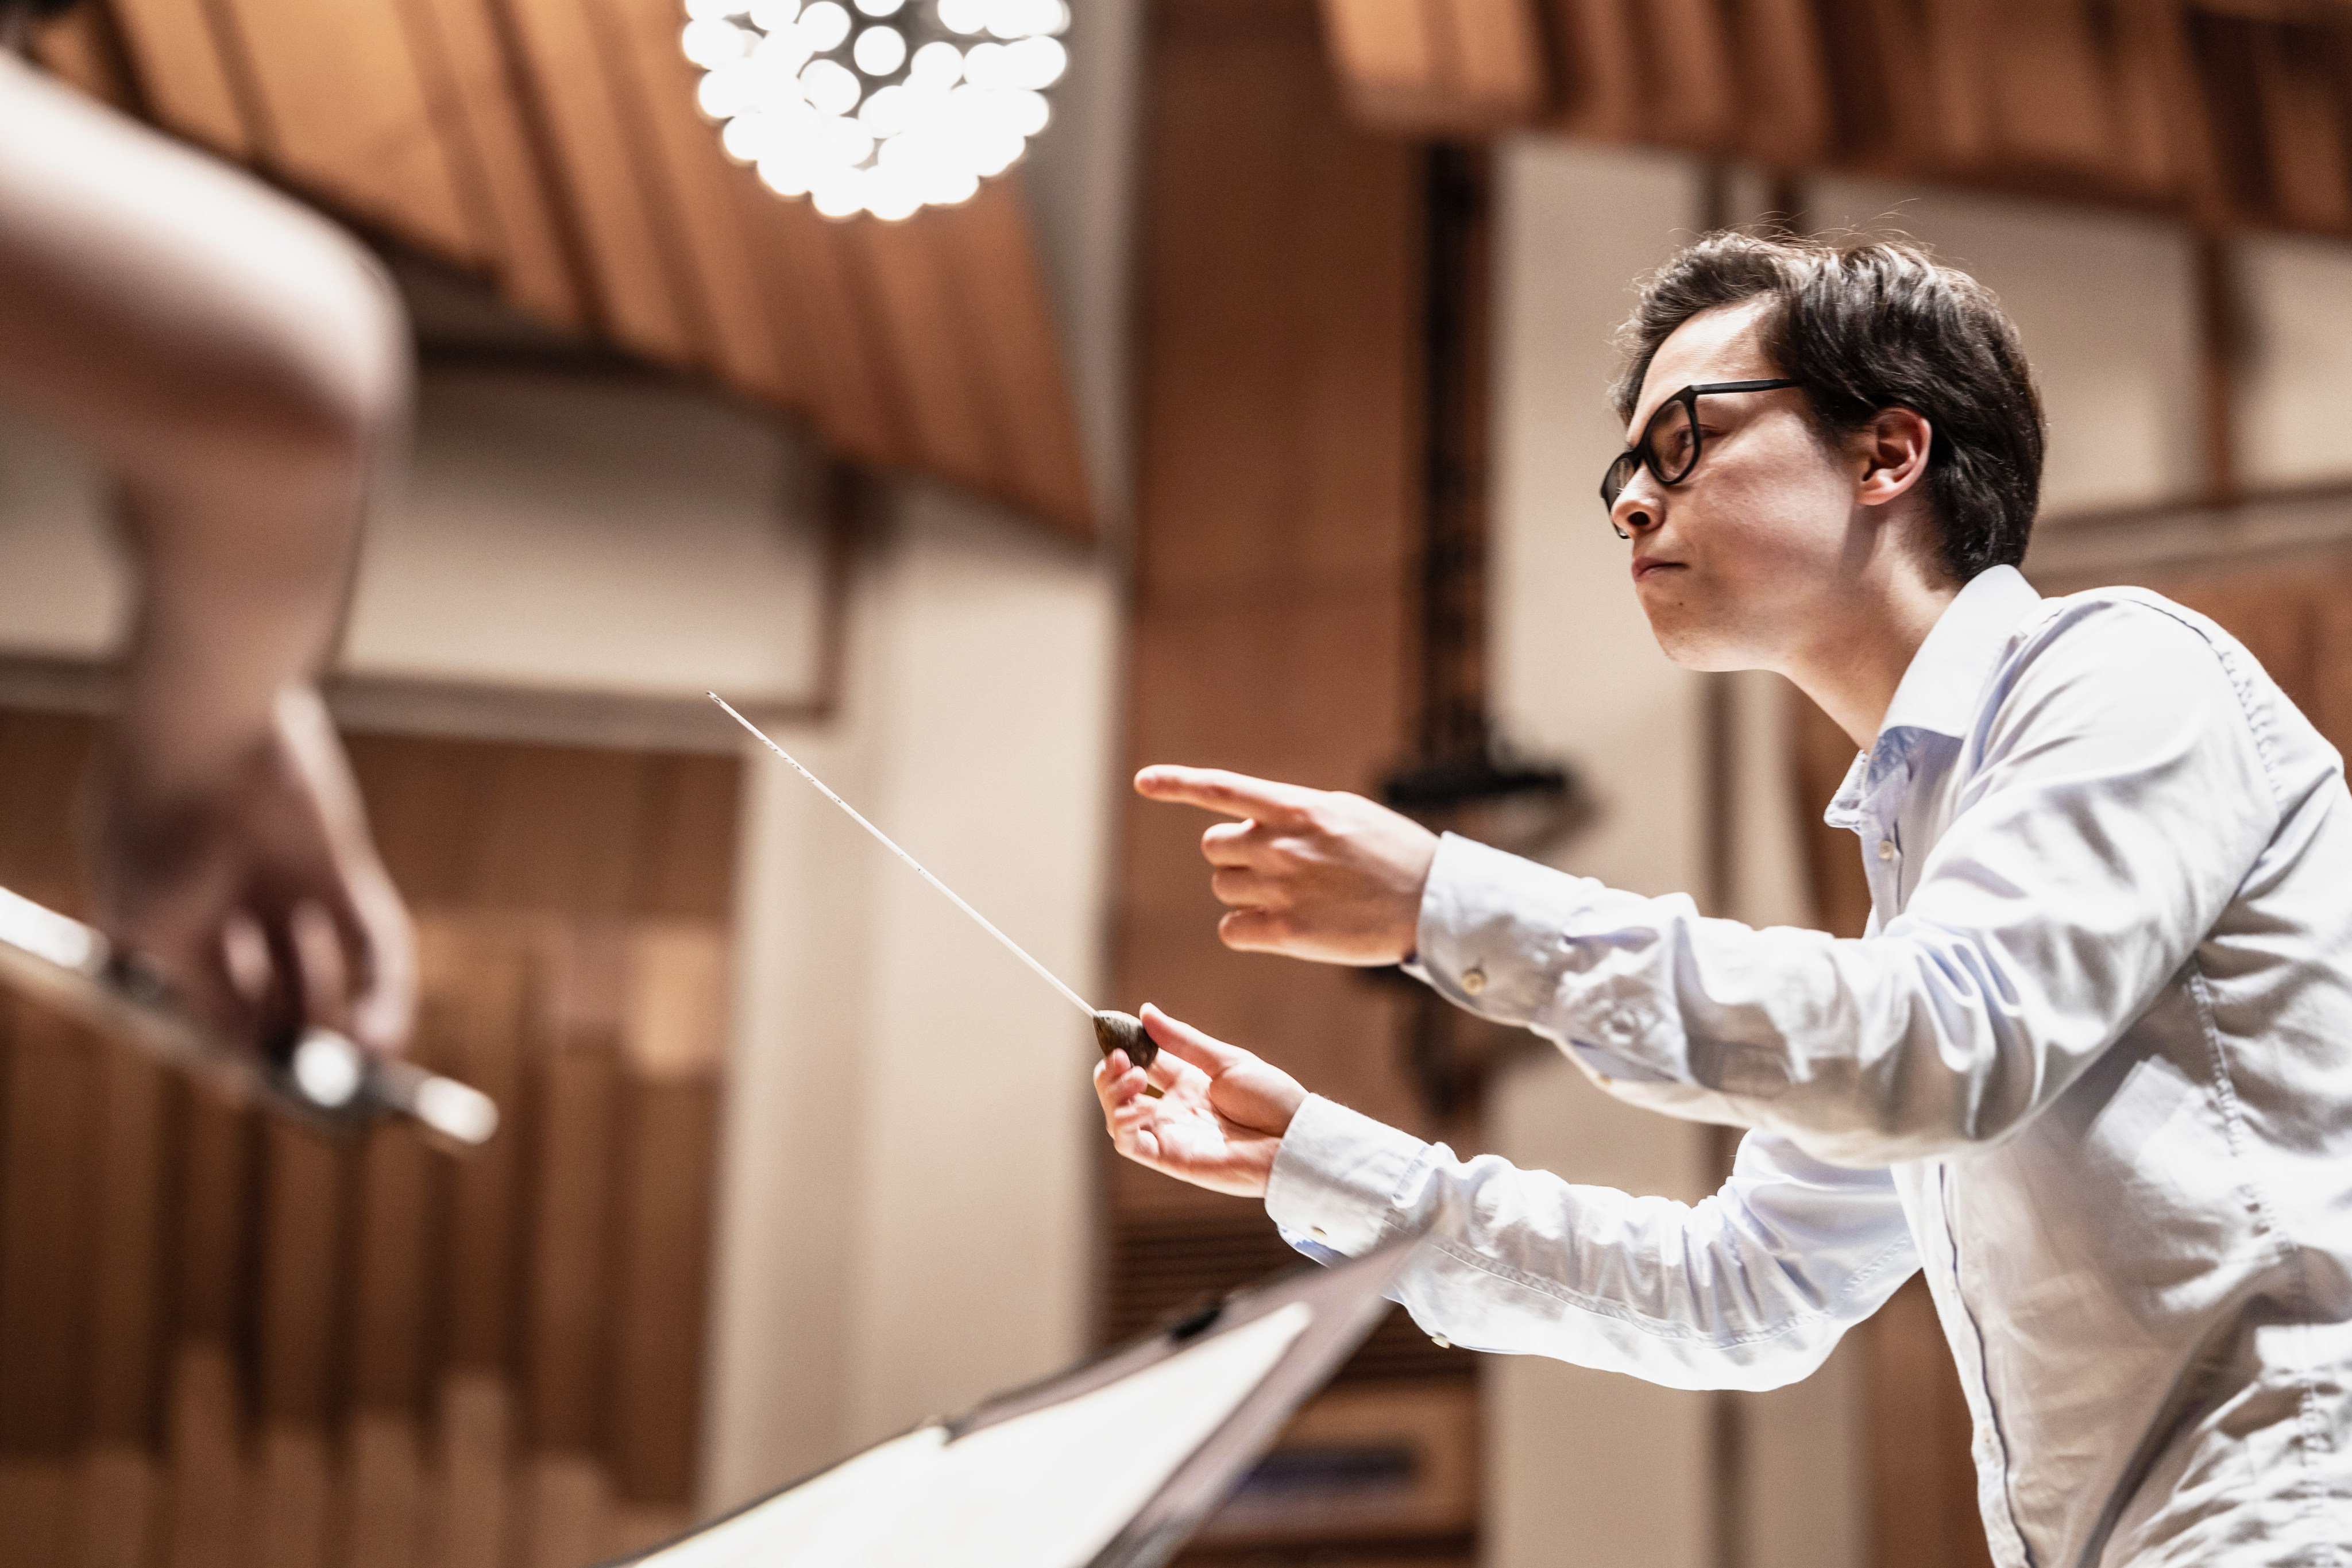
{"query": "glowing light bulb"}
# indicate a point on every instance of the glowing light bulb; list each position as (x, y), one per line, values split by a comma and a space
(824, 26)
(1035, 63)
(1026, 18)
(831, 86)
(983, 65)
(964, 16)
(937, 65)
(712, 43)
(879, 107)
(879, 51)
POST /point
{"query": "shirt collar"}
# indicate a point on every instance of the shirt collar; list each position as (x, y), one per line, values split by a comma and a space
(1940, 690)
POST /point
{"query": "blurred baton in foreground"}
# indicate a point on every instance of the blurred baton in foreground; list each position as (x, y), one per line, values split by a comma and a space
(326, 1081)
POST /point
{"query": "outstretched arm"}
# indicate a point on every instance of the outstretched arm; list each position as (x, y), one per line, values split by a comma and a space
(238, 367)
(2116, 798)
(1749, 1288)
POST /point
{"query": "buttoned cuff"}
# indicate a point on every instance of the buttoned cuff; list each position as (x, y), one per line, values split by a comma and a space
(1338, 1176)
(1492, 926)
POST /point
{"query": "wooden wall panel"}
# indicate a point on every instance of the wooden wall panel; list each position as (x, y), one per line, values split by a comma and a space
(1277, 509)
(225, 1343)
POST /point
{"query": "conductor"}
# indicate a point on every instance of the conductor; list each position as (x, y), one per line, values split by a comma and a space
(2089, 1067)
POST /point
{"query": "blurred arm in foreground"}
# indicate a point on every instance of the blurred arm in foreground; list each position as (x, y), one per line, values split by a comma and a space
(238, 368)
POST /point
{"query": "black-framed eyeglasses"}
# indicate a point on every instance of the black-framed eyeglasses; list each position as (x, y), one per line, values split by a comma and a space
(1669, 446)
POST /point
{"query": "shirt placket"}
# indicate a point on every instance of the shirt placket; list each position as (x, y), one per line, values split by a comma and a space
(1882, 860)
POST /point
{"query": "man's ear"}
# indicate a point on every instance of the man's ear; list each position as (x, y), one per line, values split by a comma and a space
(1893, 448)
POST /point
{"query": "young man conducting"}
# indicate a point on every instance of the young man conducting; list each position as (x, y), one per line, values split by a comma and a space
(2091, 1065)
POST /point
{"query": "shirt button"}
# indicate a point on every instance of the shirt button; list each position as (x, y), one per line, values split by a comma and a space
(1886, 849)
(1319, 1233)
(1441, 1342)
(1474, 980)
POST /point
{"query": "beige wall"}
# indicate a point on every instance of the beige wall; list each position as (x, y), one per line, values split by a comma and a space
(910, 1128)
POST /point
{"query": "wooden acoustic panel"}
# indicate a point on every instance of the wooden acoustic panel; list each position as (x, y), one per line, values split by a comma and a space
(223, 1341)
(344, 113)
(2221, 110)
(1278, 512)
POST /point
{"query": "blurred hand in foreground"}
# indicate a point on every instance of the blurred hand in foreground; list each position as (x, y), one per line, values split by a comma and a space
(1308, 873)
(238, 368)
(1222, 1113)
(253, 888)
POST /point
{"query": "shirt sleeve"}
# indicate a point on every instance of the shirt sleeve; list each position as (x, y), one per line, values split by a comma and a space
(2119, 798)
(1749, 1288)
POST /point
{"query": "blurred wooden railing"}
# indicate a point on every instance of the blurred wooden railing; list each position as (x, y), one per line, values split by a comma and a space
(224, 1344)
(2233, 112)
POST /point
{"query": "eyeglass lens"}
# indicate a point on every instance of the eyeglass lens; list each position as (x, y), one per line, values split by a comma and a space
(1669, 444)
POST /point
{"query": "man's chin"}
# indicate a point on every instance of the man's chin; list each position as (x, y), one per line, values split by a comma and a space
(1692, 640)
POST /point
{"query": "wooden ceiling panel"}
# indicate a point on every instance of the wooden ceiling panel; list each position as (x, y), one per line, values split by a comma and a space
(1599, 80)
(554, 146)
(2299, 78)
(912, 281)
(1689, 95)
(595, 152)
(2053, 95)
(473, 88)
(183, 73)
(81, 47)
(2227, 110)
(1492, 51)
(344, 115)
(1387, 56)
(1785, 87)
(1000, 292)
(696, 177)
(807, 280)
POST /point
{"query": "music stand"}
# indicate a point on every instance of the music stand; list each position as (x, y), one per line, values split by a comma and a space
(1111, 1465)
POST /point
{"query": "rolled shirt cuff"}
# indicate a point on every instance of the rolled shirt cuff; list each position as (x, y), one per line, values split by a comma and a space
(1338, 1179)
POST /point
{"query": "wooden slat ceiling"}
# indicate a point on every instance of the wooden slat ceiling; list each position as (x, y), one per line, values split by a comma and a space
(553, 147)
(2236, 113)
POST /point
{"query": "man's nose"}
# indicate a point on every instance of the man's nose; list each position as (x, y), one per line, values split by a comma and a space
(1639, 506)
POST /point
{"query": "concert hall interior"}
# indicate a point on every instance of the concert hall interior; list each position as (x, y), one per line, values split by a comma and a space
(1249, 418)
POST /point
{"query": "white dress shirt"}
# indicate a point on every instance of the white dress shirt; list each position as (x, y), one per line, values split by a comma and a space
(2090, 1067)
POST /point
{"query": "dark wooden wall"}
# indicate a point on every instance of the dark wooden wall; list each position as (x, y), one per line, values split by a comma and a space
(225, 1343)
(1275, 621)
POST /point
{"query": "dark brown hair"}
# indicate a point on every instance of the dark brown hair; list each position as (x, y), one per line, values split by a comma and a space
(1863, 325)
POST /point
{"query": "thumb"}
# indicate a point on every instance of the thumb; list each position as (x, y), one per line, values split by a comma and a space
(1211, 1055)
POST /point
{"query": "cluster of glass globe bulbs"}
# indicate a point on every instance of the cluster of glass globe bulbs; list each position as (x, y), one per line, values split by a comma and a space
(878, 105)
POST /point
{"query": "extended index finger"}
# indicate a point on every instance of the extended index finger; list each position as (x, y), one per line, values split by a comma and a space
(1214, 789)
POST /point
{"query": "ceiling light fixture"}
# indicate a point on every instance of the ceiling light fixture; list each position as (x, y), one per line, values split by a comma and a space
(876, 106)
